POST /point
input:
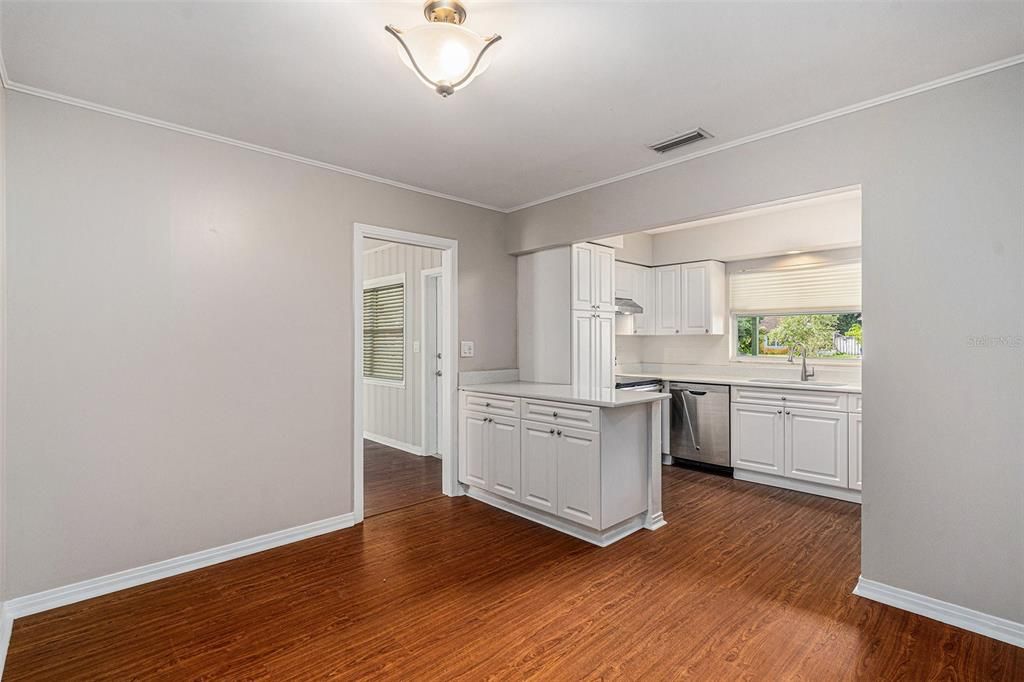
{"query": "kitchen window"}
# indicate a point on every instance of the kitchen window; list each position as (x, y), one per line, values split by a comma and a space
(384, 330)
(816, 305)
(836, 336)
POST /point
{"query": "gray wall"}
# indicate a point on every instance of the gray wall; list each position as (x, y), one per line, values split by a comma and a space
(396, 412)
(180, 346)
(943, 245)
(3, 336)
(813, 226)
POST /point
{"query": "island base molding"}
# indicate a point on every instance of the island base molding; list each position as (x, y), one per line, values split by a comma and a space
(601, 538)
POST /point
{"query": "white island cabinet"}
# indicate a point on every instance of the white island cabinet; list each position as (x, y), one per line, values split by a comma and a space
(584, 461)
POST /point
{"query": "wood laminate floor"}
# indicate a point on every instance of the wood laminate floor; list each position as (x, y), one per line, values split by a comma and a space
(393, 479)
(745, 582)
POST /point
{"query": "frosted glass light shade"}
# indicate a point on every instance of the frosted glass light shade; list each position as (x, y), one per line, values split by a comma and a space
(445, 54)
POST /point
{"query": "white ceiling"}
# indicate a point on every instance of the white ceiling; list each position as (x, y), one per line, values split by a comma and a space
(573, 98)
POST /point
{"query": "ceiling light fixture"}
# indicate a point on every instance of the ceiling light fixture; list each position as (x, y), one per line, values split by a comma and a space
(445, 56)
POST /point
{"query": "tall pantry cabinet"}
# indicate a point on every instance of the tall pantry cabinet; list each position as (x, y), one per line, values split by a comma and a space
(566, 315)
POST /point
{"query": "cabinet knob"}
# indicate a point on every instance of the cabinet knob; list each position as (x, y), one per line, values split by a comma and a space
(487, 404)
(677, 331)
(778, 411)
(554, 414)
(788, 412)
(783, 397)
(552, 432)
(705, 331)
(559, 433)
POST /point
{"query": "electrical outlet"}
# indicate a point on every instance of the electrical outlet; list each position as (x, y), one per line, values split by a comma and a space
(415, 346)
(466, 351)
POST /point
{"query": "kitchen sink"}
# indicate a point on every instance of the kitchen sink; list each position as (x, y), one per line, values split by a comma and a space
(795, 382)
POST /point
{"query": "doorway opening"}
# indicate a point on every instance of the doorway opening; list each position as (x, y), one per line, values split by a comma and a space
(404, 387)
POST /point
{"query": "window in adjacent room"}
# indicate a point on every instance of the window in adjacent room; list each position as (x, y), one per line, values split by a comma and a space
(816, 305)
(384, 329)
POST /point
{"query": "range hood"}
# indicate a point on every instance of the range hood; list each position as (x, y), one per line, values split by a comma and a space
(627, 306)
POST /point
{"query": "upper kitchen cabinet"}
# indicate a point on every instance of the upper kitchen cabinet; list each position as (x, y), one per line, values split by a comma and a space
(636, 283)
(593, 278)
(667, 308)
(690, 298)
(703, 298)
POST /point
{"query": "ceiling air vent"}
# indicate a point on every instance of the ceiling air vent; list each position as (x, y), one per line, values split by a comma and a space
(695, 135)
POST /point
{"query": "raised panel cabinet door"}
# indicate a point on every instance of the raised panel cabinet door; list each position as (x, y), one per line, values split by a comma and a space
(473, 449)
(604, 278)
(582, 276)
(582, 359)
(643, 324)
(667, 293)
(604, 349)
(695, 309)
(856, 433)
(579, 476)
(540, 466)
(503, 455)
(626, 280)
(757, 434)
(817, 446)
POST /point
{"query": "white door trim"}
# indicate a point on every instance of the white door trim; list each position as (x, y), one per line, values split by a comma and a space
(447, 439)
(426, 275)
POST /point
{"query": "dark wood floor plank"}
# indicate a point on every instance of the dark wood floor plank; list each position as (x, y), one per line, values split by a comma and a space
(393, 479)
(746, 582)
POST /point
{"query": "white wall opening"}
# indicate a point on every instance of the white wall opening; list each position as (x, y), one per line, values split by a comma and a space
(444, 282)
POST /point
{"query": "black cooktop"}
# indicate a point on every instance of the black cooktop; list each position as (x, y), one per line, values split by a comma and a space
(628, 382)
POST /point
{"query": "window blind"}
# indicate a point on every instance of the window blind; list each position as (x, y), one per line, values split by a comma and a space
(384, 332)
(831, 287)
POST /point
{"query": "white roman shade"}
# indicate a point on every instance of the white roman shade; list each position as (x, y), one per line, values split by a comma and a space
(817, 288)
(384, 331)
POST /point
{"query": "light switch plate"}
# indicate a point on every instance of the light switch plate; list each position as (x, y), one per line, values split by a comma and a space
(415, 346)
(466, 350)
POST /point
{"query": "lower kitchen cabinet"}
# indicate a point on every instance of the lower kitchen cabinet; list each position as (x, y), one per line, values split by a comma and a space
(812, 448)
(757, 438)
(817, 446)
(503, 452)
(490, 453)
(593, 477)
(579, 476)
(473, 449)
(540, 466)
(856, 433)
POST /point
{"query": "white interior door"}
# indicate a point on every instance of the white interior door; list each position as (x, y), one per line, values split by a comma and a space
(432, 362)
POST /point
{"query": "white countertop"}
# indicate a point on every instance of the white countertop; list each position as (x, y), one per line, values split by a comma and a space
(697, 378)
(598, 397)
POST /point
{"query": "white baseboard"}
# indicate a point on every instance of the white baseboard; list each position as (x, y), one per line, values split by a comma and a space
(995, 627)
(844, 494)
(95, 587)
(392, 443)
(601, 538)
(6, 626)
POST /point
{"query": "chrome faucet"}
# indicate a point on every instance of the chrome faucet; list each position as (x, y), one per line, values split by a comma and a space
(805, 373)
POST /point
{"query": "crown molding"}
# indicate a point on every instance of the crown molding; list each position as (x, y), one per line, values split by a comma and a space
(92, 106)
(836, 113)
(6, 82)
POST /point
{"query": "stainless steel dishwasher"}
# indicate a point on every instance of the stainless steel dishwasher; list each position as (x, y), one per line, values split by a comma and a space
(700, 425)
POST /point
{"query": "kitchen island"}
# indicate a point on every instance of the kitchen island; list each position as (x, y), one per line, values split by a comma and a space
(584, 461)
